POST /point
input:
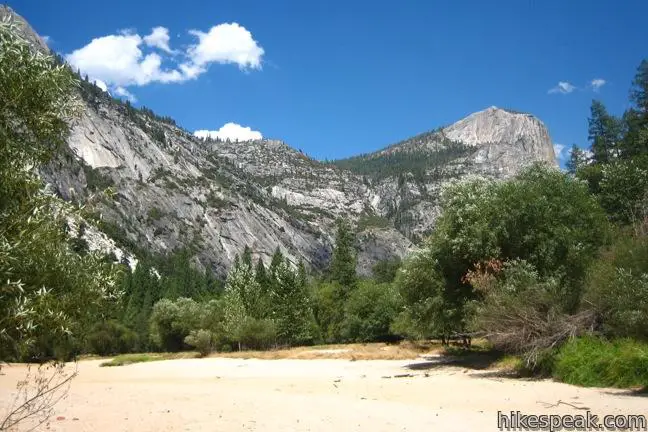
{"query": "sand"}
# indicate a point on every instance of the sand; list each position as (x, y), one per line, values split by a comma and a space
(224, 394)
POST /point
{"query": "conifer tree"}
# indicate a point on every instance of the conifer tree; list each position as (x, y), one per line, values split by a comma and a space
(604, 133)
(343, 264)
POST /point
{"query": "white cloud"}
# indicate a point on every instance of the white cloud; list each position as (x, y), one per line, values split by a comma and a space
(563, 87)
(560, 151)
(230, 131)
(225, 43)
(121, 91)
(159, 38)
(47, 39)
(118, 61)
(597, 83)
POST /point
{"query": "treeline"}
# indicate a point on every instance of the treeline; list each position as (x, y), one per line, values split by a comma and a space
(419, 162)
(168, 305)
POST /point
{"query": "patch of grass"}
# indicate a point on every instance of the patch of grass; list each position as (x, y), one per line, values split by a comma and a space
(372, 221)
(509, 363)
(595, 362)
(369, 351)
(126, 359)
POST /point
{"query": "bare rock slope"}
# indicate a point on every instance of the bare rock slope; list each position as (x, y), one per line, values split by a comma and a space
(168, 189)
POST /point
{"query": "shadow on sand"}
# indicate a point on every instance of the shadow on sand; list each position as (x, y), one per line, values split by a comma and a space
(483, 364)
(476, 360)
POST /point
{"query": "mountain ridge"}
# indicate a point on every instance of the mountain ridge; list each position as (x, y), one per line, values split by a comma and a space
(172, 190)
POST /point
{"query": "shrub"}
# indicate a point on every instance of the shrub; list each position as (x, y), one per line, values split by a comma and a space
(172, 321)
(258, 334)
(202, 340)
(591, 361)
(369, 311)
(111, 337)
(385, 271)
(522, 313)
(155, 214)
(617, 288)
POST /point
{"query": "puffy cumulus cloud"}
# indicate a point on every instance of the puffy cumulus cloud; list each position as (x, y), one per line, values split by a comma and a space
(597, 83)
(563, 87)
(118, 61)
(159, 38)
(560, 150)
(232, 132)
(225, 43)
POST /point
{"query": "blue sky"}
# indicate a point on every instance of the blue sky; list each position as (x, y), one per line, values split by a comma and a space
(337, 78)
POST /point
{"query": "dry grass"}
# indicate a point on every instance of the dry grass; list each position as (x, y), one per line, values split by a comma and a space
(126, 359)
(367, 351)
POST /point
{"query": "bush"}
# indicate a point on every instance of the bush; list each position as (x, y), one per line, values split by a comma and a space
(172, 321)
(202, 340)
(385, 271)
(591, 361)
(369, 311)
(111, 337)
(257, 334)
(617, 288)
(522, 313)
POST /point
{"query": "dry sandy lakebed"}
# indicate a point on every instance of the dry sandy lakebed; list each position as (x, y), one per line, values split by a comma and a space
(229, 394)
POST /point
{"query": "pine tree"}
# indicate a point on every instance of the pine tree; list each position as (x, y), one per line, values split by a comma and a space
(343, 264)
(577, 159)
(604, 133)
(277, 260)
(261, 275)
(639, 91)
(242, 280)
(291, 308)
(635, 141)
(302, 278)
(246, 258)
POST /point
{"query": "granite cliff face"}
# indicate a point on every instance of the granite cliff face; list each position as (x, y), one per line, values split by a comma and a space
(168, 189)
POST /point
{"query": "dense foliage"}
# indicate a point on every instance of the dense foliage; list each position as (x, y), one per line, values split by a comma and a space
(416, 158)
(49, 294)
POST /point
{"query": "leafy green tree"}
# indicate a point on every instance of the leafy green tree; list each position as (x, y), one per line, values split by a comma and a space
(172, 321)
(542, 216)
(291, 308)
(242, 280)
(203, 340)
(432, 308)
(617, 287)
(328, 309)
(111, 337)
(623, 189)
(370, 311)
(50, 294)
(343, 263)
(385, 271)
